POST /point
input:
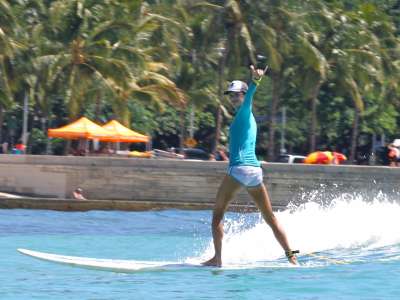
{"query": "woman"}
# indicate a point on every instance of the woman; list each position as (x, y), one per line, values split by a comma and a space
(244, 169)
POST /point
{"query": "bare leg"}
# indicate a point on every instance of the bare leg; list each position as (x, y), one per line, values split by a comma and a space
(261, 198)
(226, 191)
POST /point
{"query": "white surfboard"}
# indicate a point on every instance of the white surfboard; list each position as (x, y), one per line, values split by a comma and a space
(113, 265)
(132, 266)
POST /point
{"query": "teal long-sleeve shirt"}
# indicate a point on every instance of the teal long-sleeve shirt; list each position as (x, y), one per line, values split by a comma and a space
(243, 133)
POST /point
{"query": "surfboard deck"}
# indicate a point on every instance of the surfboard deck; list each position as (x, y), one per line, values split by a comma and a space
(112, 265)
(133, 266)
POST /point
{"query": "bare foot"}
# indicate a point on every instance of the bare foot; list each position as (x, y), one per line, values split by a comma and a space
(213, 262)
(293, 260)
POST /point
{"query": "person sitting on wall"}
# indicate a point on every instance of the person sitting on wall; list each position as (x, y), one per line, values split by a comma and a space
(78, 194)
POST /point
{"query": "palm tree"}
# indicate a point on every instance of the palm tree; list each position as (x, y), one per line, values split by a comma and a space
(203, 51)
(311, 48)
(84, 46)
(109, 53)
(7, 50)
(277, 32)
(235, 44)
(357, 64)
(200, 55)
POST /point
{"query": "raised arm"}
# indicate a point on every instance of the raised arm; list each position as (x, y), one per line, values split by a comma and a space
(256, 76)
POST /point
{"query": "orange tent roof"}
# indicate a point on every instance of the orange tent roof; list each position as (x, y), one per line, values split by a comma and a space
(80, 129)
(120, 133)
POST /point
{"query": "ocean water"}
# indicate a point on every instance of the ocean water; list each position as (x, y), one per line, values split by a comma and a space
(350, 249)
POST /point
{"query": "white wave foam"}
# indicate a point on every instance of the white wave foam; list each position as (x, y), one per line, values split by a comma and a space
(348, 227)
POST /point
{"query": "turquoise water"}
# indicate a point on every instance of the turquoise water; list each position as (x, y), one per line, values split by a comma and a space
(364, 235)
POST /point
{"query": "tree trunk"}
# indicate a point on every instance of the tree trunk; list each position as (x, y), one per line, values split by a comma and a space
(276, 94)
(354, 136)
(45, 125)
(182, 130)
(313, 127)
(218, 126)
(25, 116)
(218, 115)
(1, 123)
(67, 148)
(97, 107)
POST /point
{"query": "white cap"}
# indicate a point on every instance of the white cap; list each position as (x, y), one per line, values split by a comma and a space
(237, 86)
(396, 143)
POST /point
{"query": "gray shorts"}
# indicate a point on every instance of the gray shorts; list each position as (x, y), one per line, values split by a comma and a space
(249, 176)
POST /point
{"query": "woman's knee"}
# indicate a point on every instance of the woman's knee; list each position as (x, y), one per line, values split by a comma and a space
(271, 220)
(217, 217)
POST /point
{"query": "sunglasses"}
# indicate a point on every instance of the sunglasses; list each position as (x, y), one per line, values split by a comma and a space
(233, 95)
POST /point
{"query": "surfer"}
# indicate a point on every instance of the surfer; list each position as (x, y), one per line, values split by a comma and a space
(244, 168)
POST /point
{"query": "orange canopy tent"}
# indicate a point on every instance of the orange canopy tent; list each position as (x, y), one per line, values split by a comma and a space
(122, 134)
(80, 129)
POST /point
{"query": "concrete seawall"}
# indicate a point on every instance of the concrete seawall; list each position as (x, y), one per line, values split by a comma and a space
(125, 205)
(180, 182)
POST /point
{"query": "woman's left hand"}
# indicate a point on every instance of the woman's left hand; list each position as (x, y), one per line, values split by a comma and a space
(256, 74)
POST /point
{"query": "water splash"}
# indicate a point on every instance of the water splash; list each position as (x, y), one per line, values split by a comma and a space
(350, 228)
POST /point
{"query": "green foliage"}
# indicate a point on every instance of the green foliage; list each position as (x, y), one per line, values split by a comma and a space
(148, 64)
(38, 141)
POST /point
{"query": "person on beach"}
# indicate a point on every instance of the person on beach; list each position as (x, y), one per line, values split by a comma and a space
(78, 194)
(244, 169)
